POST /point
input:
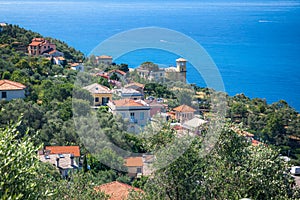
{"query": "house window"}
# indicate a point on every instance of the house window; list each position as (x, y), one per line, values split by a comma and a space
(142, 116)
(4, 95)
(97, 99)
(138, 170)
(105, 100)
(132, 115)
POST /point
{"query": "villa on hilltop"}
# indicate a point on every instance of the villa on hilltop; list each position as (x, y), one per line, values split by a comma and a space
(177, 73)
(39, 46)
(104, 59)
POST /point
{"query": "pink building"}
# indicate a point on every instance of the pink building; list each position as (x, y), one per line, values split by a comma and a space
(38, 46)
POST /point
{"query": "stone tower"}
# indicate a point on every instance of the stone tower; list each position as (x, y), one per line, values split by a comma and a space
(181, 69)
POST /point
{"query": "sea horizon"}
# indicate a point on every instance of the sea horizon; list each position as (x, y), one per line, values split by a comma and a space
(255, 45)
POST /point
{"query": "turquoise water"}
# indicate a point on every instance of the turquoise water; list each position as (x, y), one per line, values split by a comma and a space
(255, 44)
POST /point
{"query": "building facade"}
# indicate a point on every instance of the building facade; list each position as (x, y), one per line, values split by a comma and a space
(38, 46)
(134, 166)
(184, 113)
(102, 94)
(11, 90)
(104, 59)
(136, 111)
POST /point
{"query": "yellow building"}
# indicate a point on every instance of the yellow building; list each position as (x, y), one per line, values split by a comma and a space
(101, 94)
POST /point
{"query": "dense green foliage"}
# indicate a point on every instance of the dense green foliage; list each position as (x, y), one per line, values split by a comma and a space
(276, 124)
(233, 170)
(18, 166)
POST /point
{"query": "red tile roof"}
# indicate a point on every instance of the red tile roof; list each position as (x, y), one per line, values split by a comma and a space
(35, 43)
(184, 108)
(11, 85)
(52, 51)
(117, 71)
(134, 162)
(117, 190)
(128, 103)
(64, 150)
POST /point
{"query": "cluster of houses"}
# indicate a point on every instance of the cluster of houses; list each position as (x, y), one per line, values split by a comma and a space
(132, 105)
(66, 159)
(43, 47)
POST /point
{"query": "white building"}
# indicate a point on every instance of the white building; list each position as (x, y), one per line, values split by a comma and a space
(177, 73)
(152, 75)
(11, 90)
(136, 111)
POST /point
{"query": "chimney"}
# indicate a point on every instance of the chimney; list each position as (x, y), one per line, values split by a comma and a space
(57, 162)
(72, 159)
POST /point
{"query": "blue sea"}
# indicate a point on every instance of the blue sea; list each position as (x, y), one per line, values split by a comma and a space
(254, 44)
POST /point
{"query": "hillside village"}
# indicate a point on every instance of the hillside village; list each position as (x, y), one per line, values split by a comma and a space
(38, 80)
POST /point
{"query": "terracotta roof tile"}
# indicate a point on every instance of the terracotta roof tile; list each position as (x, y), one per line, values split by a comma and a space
(35, 43)
(117, 190)
(64, 149)
(129, 103)
(184, 108)
(117, 71)
(52, 51)
(134, 162)
(11, 85)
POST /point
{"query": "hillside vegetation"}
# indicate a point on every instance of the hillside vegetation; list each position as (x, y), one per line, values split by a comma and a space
(233, 170)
